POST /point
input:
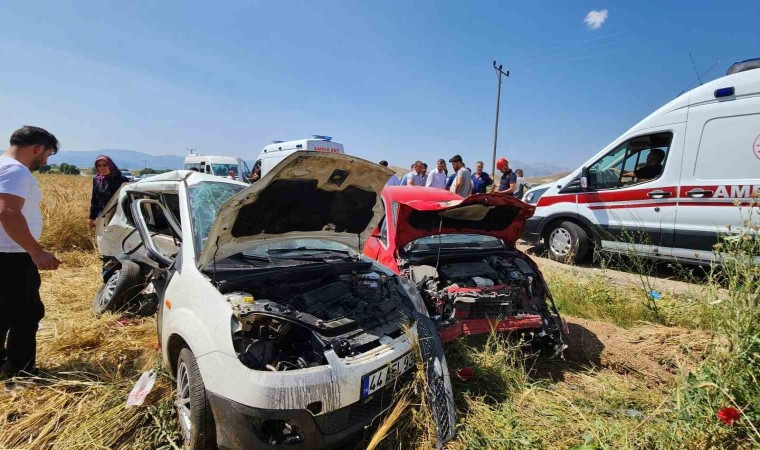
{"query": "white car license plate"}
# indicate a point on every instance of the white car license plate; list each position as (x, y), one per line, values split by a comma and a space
(384, 375)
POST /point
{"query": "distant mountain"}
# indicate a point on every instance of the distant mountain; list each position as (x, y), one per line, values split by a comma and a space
(547, 178)
(537, 169)
(124, 159)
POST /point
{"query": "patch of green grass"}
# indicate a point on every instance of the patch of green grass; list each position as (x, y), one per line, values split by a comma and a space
(595, 297)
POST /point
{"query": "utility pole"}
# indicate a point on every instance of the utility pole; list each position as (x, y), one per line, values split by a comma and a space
(499, 74)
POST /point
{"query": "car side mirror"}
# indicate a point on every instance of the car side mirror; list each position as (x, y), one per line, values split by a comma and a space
(584, 178)
(154, 252)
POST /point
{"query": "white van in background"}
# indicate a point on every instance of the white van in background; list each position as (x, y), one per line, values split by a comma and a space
(275, 152)
(218, 165)
(621, 200)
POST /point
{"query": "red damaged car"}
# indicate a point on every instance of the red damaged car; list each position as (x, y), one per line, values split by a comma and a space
(461, 255)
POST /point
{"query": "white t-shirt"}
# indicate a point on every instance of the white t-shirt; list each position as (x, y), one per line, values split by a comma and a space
(17, 180)
(465, 186)
(436, 179)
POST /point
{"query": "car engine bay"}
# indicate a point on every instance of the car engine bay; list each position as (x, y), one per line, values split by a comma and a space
(494, 286)
(289, 323)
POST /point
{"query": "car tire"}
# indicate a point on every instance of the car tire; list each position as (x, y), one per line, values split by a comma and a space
(567, 243)
(193, 409)
(124, 283)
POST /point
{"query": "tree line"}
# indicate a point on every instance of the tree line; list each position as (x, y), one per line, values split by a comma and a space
(71, 169)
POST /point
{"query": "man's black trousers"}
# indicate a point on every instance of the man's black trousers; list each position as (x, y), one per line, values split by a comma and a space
(20, 309)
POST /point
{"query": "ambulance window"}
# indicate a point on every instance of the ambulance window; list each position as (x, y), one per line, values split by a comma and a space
(635, 161)
(729, 149)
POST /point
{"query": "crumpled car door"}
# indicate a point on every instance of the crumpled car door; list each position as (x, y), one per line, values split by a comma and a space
(440, 395)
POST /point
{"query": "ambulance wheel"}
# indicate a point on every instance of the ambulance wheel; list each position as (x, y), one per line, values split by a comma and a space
(567, 243)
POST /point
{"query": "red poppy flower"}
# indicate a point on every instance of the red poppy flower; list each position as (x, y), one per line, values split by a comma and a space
(465, 373)
(729, 415)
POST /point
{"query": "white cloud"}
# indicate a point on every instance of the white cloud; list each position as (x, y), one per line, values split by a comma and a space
(595, 19)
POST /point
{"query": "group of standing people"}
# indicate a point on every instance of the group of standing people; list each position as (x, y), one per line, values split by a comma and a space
(462, 180)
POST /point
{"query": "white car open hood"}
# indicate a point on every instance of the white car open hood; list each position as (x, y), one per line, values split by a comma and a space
(308, 194)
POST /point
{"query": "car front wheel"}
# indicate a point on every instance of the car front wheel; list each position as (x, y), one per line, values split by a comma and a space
(125, 283)
(567, 243)
(193, 409)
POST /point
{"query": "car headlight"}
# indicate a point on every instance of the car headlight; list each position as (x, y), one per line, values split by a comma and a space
(411, 291)
(533, 196)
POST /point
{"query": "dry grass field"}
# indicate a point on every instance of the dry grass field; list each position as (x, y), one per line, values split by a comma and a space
(635, 375)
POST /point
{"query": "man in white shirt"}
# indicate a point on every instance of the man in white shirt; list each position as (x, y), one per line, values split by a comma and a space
(437, 178)
(21, 256)
(393, 180)
(462, 184)
(414, 178)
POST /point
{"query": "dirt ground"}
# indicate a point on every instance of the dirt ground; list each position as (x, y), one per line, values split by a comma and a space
(652, 352)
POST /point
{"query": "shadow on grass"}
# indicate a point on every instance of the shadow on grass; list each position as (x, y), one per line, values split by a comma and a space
(502, 366)
(583, 353)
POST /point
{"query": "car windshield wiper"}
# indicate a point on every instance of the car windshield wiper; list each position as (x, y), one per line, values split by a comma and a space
(312, 254)
(251, 258)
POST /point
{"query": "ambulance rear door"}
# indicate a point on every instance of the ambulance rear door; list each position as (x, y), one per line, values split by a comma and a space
(721, 167)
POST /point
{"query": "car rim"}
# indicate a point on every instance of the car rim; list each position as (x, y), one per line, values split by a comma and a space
(183, 401)
(560, 241)
(109, 289)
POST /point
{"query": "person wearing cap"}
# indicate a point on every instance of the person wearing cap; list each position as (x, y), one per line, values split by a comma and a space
(462, 183)
(393, 180)
(480, 180)
(508, 181)
(21, 255)
(437, 178)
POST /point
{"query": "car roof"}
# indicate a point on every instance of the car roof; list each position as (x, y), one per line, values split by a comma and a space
(406, 194)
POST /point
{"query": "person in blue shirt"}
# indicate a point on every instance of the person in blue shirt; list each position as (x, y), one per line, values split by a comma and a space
(393, 180)
(414, 178)
(480, 180)
(450, 180)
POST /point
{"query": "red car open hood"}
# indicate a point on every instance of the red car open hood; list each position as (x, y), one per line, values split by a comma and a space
(498, 215)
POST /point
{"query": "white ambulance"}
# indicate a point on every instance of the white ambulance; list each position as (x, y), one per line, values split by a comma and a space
(668, 186)
(218, 165)
(275, 152)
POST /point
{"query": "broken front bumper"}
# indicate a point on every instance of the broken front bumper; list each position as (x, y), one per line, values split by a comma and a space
(243, 427)
(466, 327)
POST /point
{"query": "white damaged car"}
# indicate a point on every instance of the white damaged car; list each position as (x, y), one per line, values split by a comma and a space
(279, 332)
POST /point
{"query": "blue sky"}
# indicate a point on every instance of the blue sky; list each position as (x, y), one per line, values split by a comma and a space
(390, 80)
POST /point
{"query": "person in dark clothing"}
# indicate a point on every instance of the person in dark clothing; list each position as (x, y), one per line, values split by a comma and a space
(508, 182)
(653, 166)
(480, 180)
(105, 184)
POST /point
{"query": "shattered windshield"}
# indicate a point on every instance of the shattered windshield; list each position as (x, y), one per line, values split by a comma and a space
(205, 200)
